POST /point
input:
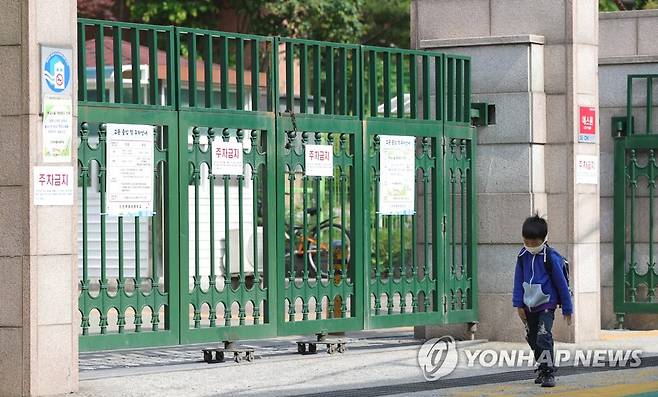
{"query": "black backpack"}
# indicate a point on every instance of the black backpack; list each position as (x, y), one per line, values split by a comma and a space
(565, 269)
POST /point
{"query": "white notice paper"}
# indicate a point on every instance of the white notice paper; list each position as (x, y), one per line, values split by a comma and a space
(227, 158)
(587, 169)
(319, 160)
(130, 170)
(57, 127)
(53, 185)
(397, 163)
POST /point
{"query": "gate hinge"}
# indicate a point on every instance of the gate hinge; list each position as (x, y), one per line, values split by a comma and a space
(620, 127)
(444, 304)
(443, 224)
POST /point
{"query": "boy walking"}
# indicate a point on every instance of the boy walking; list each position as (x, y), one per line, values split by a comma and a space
(539, 287)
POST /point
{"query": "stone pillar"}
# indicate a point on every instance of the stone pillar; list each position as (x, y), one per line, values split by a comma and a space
(38, 338)
(537, 62)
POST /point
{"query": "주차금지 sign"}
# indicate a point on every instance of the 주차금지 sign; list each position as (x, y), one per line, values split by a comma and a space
(53, 185)
(397, 164)
(130, 170)
(319, 160)
(587, 169)
(227, 158)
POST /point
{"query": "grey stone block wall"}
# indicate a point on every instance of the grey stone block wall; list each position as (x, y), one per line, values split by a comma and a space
(536, 61)
(531, 107)
(628, 45)
(628, 33)
(509, 73)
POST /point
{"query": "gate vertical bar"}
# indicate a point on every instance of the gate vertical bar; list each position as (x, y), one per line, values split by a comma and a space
(208, 69)
(135, 62)
(118, 65)
(153, 68)
(100, 63)
(620, 227)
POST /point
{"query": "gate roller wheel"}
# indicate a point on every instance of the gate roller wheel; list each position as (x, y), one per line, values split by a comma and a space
(301, 348)
(237, 358)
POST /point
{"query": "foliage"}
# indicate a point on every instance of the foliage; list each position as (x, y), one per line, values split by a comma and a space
(386, 23)
(191, 13)
(100, 9)
(623, 5)
(376, 22)
(313, 19)
(398, 244)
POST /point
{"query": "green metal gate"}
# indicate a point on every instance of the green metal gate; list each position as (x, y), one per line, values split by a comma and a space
(636, 171)
(273, 251)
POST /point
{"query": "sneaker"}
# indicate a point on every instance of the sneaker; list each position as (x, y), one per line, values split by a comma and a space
(540, 377)
(548, 381)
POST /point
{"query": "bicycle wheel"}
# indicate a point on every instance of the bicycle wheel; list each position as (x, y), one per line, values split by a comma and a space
(334, 245)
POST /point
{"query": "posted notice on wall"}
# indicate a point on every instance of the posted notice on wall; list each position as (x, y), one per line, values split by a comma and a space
(227, 158)
(130, 170)
(587, 169)
(54, 185)
(319, 160)
(587, 124)
(397, 164)
(57, 128)
(56, 70)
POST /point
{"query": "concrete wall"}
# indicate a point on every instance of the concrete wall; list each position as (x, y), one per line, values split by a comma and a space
(506, 72)
(537, 62)
(628, 45)
(38, 340)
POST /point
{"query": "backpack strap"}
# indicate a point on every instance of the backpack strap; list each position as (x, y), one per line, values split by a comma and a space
(548, 263)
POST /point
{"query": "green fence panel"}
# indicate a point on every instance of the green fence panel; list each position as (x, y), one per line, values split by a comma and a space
(273, 251)
(126, 64)
(319, 235)
(138, 304)
(635, 171)
(405, 252)
(227, 261)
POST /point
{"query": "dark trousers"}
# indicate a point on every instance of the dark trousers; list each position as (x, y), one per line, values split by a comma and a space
(540, 338)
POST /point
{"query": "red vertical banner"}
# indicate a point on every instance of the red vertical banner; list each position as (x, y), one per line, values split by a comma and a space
(587, 122)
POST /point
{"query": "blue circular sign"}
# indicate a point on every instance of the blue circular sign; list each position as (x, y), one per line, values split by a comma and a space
(57, 72)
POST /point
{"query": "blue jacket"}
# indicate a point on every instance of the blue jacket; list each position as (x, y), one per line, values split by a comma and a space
(532, 267)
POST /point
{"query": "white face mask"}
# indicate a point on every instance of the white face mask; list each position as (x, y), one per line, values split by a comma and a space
(537, 249)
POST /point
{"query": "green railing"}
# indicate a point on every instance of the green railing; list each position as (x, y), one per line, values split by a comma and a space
(139, 55)
(273, 251)
(636, 144)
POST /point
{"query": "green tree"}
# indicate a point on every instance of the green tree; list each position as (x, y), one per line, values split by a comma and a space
(313, 19)
(624, 5)
(190, 13)
(375, 22)
(386, 23)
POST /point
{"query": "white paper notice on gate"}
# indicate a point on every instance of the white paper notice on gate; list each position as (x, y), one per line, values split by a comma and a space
(227, 158)
(319, 160)
(397, 162)
(130, 170)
